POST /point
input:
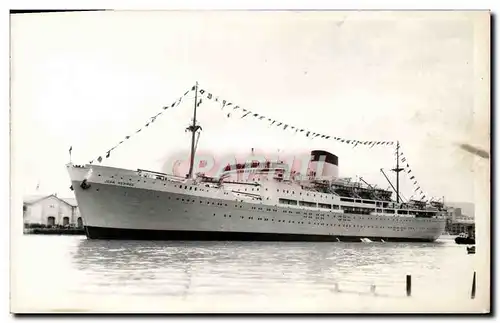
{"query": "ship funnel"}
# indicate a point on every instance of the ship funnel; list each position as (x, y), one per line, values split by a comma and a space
(323, 165)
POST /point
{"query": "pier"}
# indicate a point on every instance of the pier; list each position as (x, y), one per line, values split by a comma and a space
(55, 230)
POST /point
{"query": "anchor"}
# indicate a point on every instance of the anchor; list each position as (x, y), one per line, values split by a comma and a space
(84, 185)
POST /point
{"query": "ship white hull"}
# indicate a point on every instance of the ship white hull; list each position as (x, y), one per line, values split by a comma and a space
(119, 204)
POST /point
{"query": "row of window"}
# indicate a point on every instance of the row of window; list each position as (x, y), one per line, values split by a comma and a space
(332, 224)
(347, 209)
(346, 199)
(256, 189)
(320, 205)
(354, 210)
(422, 213)
(287, 211)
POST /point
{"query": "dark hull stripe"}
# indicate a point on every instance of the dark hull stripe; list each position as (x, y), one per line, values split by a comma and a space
(133, 234)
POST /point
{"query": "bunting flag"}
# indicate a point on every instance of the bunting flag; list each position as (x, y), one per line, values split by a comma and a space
(312, 134)
(412, 177)
(151, 120)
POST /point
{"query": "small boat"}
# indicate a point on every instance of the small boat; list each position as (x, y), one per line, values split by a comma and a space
(471, 250)
(464, 239)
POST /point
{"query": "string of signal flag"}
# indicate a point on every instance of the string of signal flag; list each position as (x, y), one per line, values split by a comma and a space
(150, 121)
(244, 113)
(225, 104)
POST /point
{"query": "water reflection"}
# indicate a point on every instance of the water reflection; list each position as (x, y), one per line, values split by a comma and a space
(184, 268)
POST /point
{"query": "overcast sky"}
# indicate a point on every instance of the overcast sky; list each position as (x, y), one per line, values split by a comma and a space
(87, 80)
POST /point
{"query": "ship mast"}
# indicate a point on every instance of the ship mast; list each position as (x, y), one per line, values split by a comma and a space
(193, 128)
(397, 170)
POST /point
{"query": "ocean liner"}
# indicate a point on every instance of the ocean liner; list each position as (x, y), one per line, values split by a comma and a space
(248, 201)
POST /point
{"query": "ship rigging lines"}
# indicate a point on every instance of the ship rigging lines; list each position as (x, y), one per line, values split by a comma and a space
(244, 113)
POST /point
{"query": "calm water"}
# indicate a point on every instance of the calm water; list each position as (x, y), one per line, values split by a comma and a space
(71, 273)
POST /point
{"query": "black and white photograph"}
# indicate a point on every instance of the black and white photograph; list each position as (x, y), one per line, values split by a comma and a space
(250, 161)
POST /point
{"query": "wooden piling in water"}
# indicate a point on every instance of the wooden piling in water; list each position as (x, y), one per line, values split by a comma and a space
(473, 291)
(408, 285)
